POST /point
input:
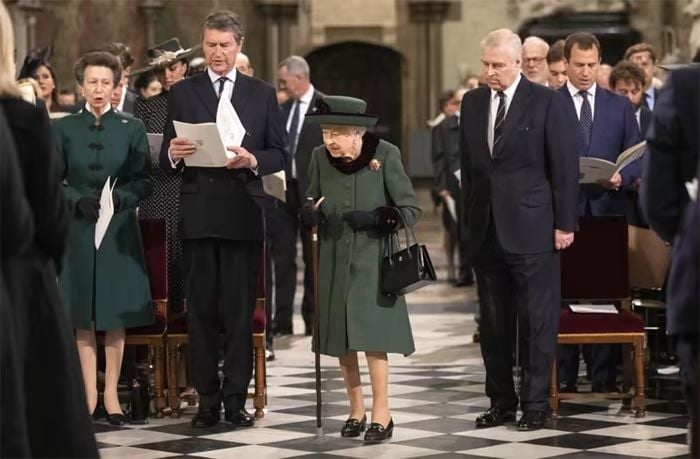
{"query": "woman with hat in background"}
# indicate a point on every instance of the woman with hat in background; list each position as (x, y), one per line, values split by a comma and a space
(168, 60)
(362, 194)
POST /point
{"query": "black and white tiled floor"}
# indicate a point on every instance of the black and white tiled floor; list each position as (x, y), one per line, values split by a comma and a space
(435, 395)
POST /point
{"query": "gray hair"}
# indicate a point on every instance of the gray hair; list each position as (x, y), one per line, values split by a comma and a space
(505, 37)
(536, 41)
(97, 59)
(296, 65)
(224, 21)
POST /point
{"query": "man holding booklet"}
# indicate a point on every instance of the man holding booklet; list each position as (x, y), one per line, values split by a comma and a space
(606, 127)
(221, 221)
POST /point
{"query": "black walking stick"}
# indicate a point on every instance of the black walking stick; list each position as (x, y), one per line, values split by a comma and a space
(317, 328)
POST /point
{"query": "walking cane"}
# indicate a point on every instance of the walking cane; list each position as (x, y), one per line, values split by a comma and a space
(317, 328)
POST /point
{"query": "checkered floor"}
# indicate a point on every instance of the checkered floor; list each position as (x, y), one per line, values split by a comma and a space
(433, 407)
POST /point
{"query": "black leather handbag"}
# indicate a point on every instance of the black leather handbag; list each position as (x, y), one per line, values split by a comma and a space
(405, 270)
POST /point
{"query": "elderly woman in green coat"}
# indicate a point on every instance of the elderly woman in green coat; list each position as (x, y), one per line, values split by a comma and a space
(106, 288)
(361, 194)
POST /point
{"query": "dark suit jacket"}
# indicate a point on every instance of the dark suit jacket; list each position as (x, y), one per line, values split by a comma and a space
(530, 185)
(644, 121)
(129, 101)
(218, 202)
(310, 137)
(445, 154)
(614, 130)
(672, 154)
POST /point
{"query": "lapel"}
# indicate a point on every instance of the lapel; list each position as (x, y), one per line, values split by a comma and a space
(286, 108)
(241, 93)
(579, 138)
(205, 91)
(481, 115)
(520, 102)
(600, 121)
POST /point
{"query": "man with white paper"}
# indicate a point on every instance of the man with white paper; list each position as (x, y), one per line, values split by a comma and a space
(221, 220)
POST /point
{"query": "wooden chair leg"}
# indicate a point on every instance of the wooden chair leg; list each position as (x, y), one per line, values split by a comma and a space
(639, 392)
(554, 391)
(259, 397)
(173, 391)
(628, 374)
(159, 368)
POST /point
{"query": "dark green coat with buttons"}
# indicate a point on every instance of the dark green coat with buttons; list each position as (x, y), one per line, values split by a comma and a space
(112, 278)
(354, 314)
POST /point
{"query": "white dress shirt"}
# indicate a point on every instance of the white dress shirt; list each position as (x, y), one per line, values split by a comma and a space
(509, 92)
(228, 85)
(650, 96)
(578, 98)
(304, 103)
(638, 115)
(104, 110)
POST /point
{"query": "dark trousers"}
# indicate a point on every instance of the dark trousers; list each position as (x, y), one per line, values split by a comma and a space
(529, 286)
(221, 281)
(602, 361)
(284, 229)
(688, 352)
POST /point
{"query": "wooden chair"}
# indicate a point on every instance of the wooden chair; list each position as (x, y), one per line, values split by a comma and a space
(176, 336)
(595, 268)
(153, 235)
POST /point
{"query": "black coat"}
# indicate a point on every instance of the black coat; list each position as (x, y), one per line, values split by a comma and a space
(530, 185)
(218, 202)
(43, 334)
(310, 137)
(673, 142)
(445, 154)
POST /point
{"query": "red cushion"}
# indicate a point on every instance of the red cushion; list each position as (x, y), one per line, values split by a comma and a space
(624, 322)
(259, 320)
(156, 328)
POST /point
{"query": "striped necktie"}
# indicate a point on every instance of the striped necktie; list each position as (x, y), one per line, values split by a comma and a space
(500, 117)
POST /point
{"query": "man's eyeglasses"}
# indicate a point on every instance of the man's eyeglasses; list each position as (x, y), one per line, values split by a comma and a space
(534, 60)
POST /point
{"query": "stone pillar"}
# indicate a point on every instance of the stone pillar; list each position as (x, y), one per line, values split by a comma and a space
(427, 17)
(23, 14)
(151, 10)
(279, 16)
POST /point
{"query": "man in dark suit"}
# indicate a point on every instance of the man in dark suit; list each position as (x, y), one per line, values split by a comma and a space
(644, 55)
(221, 221)
(606, 127)
(674, 142)
(519, 183)
(294, 79)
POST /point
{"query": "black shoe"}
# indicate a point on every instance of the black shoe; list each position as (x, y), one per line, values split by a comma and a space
(239, 418)
(353, 427)
(568, 389)
(495, 416)
(378, 433)
(532, 420)
(100, 411)
(269, 354)
(116, 419)
(206, 418)
(465, 282)
(282, 329)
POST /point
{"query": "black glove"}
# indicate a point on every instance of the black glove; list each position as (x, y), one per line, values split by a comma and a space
(309, 215)
(388, 219)
(89, 207)
(116, 200)
(361, 220)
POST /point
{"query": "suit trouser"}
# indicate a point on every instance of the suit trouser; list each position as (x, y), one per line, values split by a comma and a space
(602, 360)
(221, 280)
(283, 252)
(528, 285)
(688, 352)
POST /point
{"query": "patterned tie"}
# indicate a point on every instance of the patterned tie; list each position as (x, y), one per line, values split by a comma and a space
(293, 130)
(585, 122)
(500, 117)
(222, 82)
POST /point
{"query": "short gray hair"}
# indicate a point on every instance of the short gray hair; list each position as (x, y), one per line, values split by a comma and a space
(536, 41)
(505, 37)
(224, 21)
(296, 65)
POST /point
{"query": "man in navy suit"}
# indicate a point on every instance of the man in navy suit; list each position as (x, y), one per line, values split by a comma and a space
(519, 183)
(221, 219)
(606, 127)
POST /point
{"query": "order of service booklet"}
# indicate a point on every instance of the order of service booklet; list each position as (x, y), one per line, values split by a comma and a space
(592, 170)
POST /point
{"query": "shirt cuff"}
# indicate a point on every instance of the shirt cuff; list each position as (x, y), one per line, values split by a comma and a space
(173, 164)
(254, 170)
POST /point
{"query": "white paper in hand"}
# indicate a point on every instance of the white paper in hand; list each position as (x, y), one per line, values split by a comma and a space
(106, 213)
(230, 127)
(451, 207)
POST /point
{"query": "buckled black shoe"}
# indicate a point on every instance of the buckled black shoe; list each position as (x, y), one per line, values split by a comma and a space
(377, 433)
(353, 427)
(206, 418)
(495, 416)
(239, 418)
(116, 419)
(532, 420)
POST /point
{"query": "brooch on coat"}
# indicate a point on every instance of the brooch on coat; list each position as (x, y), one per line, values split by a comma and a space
(375, 165)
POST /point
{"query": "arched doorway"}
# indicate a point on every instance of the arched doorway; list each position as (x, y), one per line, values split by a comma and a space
(367, 71)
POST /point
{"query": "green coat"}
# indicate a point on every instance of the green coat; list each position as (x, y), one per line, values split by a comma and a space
(113, 276)
(354, 315)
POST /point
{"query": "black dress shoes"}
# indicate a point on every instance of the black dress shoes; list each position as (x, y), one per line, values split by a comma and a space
(239, 418)
(532, 420)
(353, 427)
(206, 418)
(116, 419)
(282, 329)
(495, 416)
(377, 433)
(568, 389)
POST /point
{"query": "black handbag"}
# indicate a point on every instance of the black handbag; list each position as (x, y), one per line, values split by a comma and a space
(405, 270)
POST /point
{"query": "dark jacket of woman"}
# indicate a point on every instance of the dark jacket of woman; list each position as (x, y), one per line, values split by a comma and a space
(113, 278)
(354, 314)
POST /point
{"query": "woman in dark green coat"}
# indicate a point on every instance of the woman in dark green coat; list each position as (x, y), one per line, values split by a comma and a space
(106, 288)
(362, 194)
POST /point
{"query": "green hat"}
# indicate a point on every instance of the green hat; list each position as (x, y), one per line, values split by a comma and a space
(341, 110)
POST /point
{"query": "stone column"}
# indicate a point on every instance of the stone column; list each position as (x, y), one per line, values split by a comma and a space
(151, 10)
(279, 17)
(23, 14)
